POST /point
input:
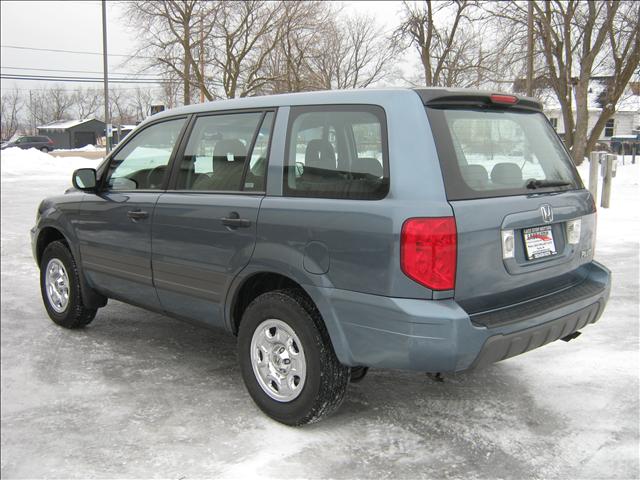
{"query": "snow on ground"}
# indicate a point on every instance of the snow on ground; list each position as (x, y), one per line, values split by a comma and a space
(20, 165)
(86, 148)
(138, 394)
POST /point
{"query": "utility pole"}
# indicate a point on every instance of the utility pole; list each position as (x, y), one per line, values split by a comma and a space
(33, 115)
(201, 60)
(530, 50)
(105, 67)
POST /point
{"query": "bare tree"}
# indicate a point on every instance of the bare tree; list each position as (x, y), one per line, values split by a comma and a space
(303, 26)
(621, 58)
(120, 109)
(241, 41)
(170, 90)
(36, 108)
(576, 40)
(141, 103)
(58, 103)
(170, 31)
(353, 53)
(87, 102)
(440, 32)
(10, 110)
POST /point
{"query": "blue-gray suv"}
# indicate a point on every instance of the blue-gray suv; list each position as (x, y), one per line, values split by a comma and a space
(434, 230)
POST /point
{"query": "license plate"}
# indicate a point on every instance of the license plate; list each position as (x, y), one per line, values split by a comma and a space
(539, 242)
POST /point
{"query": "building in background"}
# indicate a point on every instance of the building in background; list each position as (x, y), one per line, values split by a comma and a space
(73, 133)
(625, 122)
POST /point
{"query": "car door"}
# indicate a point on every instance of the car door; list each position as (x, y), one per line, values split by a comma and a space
(114, 224)
(204, 229)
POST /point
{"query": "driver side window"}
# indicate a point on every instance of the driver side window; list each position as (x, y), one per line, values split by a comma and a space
(143, 162)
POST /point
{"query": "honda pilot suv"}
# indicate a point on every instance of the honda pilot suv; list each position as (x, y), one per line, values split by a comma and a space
(433, 230)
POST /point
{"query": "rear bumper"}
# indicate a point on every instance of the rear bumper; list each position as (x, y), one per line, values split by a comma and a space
(439, 336)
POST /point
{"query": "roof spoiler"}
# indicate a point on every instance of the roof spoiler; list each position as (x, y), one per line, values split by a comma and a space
(441, 97)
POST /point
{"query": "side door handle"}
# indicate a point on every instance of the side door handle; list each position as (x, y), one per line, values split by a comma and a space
(234, 221)
(135, 215)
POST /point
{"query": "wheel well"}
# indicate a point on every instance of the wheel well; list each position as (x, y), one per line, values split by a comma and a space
(257, 285)
(47, 235)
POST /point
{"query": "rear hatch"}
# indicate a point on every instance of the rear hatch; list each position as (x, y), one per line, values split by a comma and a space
(525, 223)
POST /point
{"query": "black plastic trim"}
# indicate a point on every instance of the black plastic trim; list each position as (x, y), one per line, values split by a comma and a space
(501, 347)
(443, 97)
(538, 306)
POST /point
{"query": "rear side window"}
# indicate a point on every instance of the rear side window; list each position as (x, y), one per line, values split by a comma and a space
(492, 153)
(218, 155)
(337, 152)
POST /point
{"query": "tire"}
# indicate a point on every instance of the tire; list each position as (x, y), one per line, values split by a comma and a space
(59, 266)
(44, 149)
(323, 380)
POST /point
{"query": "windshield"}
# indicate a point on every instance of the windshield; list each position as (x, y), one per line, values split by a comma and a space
(492, 153)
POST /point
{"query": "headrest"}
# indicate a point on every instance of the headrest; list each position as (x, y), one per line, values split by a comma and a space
(227, 147)
(476, 176)
(506, 175)
(368, 165)
(320, 154)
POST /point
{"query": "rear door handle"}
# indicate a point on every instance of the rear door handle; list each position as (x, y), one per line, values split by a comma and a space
(136, 215)
(234, 221)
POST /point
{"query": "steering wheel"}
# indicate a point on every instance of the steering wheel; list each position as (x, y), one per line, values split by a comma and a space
(155, 176)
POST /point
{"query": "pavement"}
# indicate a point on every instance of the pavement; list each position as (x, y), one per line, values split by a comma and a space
(137, 394)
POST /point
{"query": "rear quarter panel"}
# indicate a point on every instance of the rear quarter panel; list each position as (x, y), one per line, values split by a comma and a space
(354, 244)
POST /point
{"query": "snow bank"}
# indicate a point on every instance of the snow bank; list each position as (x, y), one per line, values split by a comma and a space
(16, 163)
(86, 148)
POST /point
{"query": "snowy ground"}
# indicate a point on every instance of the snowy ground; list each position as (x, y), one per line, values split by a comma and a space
(139, 395)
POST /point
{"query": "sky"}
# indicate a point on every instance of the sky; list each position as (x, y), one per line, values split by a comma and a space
(64, 26)
(77, 26)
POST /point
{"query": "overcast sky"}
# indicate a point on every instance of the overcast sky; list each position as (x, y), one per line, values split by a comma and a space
(76, 25)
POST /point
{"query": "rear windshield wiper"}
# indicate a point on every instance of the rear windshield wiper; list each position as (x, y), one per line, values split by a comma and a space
(533, 183)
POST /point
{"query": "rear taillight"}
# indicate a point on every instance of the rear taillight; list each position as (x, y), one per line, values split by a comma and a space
(50, 142)
(428, 251)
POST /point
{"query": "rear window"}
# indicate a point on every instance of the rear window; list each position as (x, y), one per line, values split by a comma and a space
(492, 153)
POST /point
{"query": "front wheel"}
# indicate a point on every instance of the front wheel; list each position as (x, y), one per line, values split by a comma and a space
(60, 288)
(287, 361)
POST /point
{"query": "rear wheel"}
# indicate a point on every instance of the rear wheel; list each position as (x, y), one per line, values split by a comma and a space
(44, 149)
(287, 361)
(60, 288)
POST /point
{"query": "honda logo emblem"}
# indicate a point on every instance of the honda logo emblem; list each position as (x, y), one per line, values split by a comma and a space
(547, 213)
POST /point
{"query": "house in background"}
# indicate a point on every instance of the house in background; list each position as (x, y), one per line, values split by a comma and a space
(119, 132)
(73, 133)
(625, 122)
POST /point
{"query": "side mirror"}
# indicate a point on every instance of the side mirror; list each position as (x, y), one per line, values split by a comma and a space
(84, 179)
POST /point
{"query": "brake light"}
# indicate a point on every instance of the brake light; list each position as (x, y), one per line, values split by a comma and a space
(428, 251)
(50, 142)
(508, 99)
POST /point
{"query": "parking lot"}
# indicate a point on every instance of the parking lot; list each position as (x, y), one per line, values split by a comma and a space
(138, 394)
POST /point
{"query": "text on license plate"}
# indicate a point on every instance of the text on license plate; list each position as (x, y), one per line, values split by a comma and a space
(539, 242)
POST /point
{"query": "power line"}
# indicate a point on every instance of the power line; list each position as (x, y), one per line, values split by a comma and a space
(73, 71)
(122, 89)
(56, 50)
(62, 79)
